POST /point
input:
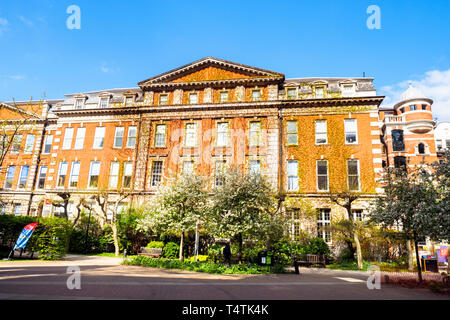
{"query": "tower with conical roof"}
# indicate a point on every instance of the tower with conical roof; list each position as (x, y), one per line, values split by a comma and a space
(407, 130)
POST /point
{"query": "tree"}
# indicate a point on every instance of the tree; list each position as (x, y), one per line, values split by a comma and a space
(243, 204)
(345, 199)
(109, 204)
(177, 207)
(416, 203)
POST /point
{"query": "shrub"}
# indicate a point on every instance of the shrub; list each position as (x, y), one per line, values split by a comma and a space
(51, 238)
(201, 258)
(171, 250)
(317, 246)
(156, 244)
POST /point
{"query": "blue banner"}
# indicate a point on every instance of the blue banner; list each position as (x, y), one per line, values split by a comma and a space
(25, 236)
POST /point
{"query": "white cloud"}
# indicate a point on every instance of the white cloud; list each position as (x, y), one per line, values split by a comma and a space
(434, 84)
(26, 21)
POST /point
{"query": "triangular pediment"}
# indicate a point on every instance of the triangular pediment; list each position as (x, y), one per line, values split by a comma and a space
(210, 69)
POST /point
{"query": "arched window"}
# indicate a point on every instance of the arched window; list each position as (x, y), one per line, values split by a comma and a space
(421, 148)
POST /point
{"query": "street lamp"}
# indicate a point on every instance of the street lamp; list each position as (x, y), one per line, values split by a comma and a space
(87, 228)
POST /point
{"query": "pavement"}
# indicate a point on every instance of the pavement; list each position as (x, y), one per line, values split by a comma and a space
(105, 278)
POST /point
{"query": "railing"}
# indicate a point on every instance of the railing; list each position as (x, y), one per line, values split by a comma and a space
(394, 119)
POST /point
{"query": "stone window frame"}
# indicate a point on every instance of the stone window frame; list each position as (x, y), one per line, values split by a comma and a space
(192, 92)
(115, 137)
(356, 142)
(188, 159)
(315, 132)
(40, 177)
(117, 176)
(152, 161)
(322, 222)
(20, 177)
(262, 135)
(155, 125)
(125, 163)
(262, 163)
(90, 174)
(57, 186)
(297, 177)
(167, 95)
(287, 92)
(287, 133)
(358, 163)
(72, 174)
(186, 123)
(260, 94)
(228, 92)
(327, 175)
(216, 133)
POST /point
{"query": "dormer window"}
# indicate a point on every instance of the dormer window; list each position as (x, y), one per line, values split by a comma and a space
(256, 95)
(320, 92)
(348, 90)
(291, 93)
(163, 99)
(193, 98)
(104, 102)
(128, 100)
(412, 107)
(79, 104)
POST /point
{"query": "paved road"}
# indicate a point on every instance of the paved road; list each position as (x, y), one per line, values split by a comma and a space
(105, 278)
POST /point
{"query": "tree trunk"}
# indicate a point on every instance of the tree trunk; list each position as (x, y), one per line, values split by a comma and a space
(116, 239)
(240, 248)
(419, 269)
(182, 247)
(358, 249)
(410, 256)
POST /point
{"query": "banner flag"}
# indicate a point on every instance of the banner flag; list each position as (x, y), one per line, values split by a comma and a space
(25, 236)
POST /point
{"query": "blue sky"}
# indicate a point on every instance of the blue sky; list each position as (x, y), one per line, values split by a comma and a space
(122, 42)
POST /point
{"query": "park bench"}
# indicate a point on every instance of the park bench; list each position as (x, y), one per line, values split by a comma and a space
(151, 252)
(309, 260)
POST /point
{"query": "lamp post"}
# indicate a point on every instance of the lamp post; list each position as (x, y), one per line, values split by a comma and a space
(87, 228)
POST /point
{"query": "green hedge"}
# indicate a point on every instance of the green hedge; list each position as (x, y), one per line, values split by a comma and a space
(206, 267)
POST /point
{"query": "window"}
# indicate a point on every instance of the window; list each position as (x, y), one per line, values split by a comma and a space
(23, 177)
(118, 137)
(295, 215)
(222, 134)
(323, 225)
(224, 96)
(255, 134)
(163, 99)
(439, 144)
(127, 174)
(353, 175)
(15, 145)
(132, 135)
(128, 101)
(42, 176)
(75, 172)
(292, 133)
(421, 148)
(193, 98)
(255, 167)
(291, 93)
(17, 209)
(191, 135)
(292, 176)
(256, 95)
(188, 167)
(160, 137)
(104, 103)
(424, 107)
(10, 177)
(99, 137)
(29, 144)
(351, 136)
(62, 173)
(79, 140)
(357, 215)
(220, 168)
(447, 144)
(319, 92)
(79, 103)
(48, 144)
(94, 173)
(348, 90)
(67, 144)
(156, 173)
(114, 175)
(321, 132)
(400, 162)
(398, 143)
(322, 175)
(412, 107)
